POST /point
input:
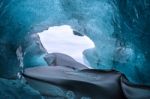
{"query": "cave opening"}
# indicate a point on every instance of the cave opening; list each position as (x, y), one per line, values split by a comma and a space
(63, 39)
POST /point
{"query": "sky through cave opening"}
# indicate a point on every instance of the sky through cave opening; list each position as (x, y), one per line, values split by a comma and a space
(61, 39)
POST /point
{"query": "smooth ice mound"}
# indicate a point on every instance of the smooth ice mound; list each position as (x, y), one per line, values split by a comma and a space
(61, 39)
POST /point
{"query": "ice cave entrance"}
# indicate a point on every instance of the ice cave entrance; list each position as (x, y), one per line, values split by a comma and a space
(62, 39)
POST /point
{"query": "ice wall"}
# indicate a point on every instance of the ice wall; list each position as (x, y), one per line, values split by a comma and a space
(118, 28)
(131, 24)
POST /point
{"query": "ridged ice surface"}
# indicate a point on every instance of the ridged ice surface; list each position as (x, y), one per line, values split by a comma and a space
(118, 28)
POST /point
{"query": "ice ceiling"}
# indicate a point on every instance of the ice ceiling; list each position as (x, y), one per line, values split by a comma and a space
(118, 28)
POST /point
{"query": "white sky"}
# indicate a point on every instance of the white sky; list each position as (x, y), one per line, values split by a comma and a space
(61, 39)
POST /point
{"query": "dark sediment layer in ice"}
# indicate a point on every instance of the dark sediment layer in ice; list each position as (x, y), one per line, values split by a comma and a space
(61, 82)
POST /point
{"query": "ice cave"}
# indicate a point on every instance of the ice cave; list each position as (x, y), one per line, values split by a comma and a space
(74, 49)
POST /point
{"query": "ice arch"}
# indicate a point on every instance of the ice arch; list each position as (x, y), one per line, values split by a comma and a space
(119, 30)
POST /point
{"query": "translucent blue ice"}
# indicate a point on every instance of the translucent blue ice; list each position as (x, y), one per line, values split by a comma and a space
(118, 28)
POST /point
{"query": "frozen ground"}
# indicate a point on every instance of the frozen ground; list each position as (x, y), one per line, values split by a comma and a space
(61, 39)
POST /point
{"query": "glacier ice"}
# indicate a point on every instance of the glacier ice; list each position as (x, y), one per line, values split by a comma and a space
(15, 89)
(118, 28)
